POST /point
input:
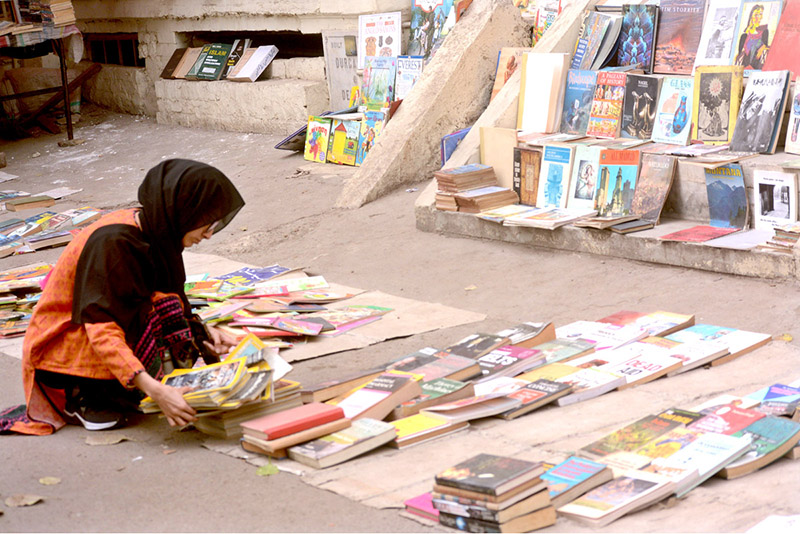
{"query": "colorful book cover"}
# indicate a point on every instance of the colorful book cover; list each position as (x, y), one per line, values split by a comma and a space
(698, 234)
(508, 61)
(653, 186)
(761, 112)
(569, 474)
(726, 420)
(371, 127)
(719, 28)
(727, 197)
(782, 53)
(317, 134)
(379, 35)
(619, 170)
(555, 174)
(793, 131)
(606, 110)
(767, 434)
(631, 437)
(409, 69)
(639, 109)
(717, 93)
(680, 25)
(583, 182)
(613, 495)
(775, 392)
(578, 96)
(427, 20)
(674, 111)
(758, 21)
(373, 392)
(592, 31)
(637, 35)
(774, 198)
(450, 143)
(487, 473)
(378, 79)
(527, 166)
(343, 143)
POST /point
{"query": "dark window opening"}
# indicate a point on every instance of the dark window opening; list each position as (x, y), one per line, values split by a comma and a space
(114, 49)
(290, 44)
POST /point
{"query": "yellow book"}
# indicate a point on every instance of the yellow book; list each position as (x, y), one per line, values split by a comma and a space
(717, 93)
(551, 371)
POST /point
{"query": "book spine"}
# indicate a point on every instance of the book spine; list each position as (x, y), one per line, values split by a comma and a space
(467, 524)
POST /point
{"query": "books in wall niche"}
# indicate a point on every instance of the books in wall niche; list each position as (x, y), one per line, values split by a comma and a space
(489, 474)
(637, 35)
(639, 108)
(214, 62)
(380, 396)
(508, 61)
(169, 69)
(716, 39)
(422, 427)
(527, 165)
(377, 87)
(771, 438)
(191, 74)
(717, 93)
(680, 25)
(436, 391)
(755, 33)
(606, 111)
(247, 53)
(371, 127)
(317, 139)
(727, 197)
(362, 436)
(409, 69)
(617, 182)
(237, 49)
(578, 96)
(760, 115)
(379, 35)
(554, 176)
(774, 198)
(583, 182)
(255, 65)
(673, 118)
(574, 477)
(343, 141)
(534, 395)
(541, 94)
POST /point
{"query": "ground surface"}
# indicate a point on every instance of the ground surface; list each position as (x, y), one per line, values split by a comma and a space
(138, 485)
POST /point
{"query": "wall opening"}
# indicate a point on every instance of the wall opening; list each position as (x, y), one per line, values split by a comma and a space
(114, 49)
(290, 44)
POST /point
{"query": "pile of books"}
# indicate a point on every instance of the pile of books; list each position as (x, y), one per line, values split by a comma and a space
(45, 229)
(20, 290)
(471, 188)
(784, 240)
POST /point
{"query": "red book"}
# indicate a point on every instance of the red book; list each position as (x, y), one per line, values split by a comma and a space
(277, 425)
(726, 420)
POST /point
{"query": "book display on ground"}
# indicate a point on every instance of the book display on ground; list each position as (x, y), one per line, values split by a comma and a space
(362, 436)
(573, 477)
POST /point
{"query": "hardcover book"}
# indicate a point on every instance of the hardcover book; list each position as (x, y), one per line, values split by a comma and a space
(554, 178)
(427, 20)
(378, 81)
(774, 198)
(727, 197)
(214, 62)
(343, 142)
(619, 170)
(606, 111)
(758, 21)
(172, 63)
(199, 59)
(674, 111)
(489, 474)
(409, 69)
(371, 127)
(379, 35)
(717, 93)
(527, 165)
(317, 137)
(716, 40)
(583, 182)
(639, 110)
(541, 94)
(680, 25)
(760, 115)
(578, 96)
(637, 36)
(253, 67)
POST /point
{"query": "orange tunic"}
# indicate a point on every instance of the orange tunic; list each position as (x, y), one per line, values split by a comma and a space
(54, 343)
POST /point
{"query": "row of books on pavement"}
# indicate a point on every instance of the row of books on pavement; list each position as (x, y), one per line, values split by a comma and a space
(20, 290)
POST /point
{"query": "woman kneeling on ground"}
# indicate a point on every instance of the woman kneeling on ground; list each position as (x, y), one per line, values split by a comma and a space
(113, 317)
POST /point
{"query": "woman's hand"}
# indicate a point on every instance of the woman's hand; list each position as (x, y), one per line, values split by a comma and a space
(169, 399)
(221, 342)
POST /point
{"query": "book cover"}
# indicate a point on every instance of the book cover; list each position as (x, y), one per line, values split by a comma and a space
(698, 234)
(422, 505)
(648, 366)
(279, 424)
(782, 54)
(637, 36)
(343, 142)
(792, 144)
(776, 392)
(255, 66)
(362, 436)
(200, 58)
(674, 111)
(508, 61)
(774, 198)
(378, 78)
(450, 143)
(554, 178)
(578, 96)
(237, 50)
(214, 62)
(489, 474)
(427, 20)
(619, 171)
(527, 166)
(379, 35)
(358, 402)
(716, 40)
(528, 334)
(588, 384)
(631, 437)
(438, 390)
(593, 29)
(409, 69)
(247, 53)
(317, 135)
(726, 420)
(569, 473)
(534, 395)
(341, 65)
(761, 112)
(371, 127)
(767, 434)
(639, 109)
(680, 25)
(583, 182)
(606, 111)
(653, 186)
(717, 93)
(758, 21)
(565, 349)
(541, 94)
(172, 63)
(498, 361)
(727, 197)
(476, 345)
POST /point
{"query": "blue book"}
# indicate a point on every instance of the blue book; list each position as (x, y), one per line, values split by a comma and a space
(450, 143)
(727, 196)
(578, 95)
(573, 477)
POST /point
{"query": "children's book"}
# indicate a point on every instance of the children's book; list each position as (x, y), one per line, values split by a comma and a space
(774, 198)
(508, 61)
(639, 109)
(379, 35)
(378, 79)
(792, 145)
(583, 182)
(758, 21)
(409, 69)
(653, 186)
(674, 111)
(619, 171)
(554, 177)
(317, 136)
(343, 142)
(427, 20)
(541, 94)
(371, 127)
(716, 40)
(606, 111)
(717, 93)
(527, 167)
(760, 115)
(637, 36)
(680, 25)
(578, 96)
(727, 197)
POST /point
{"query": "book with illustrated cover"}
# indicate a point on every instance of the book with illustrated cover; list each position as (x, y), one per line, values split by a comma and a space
(680, 25)
(630, 437)
(578, 96)
(527, 166)
(716, 39)
(476, 345)
(774, 198)
(758, 124)
(377, 398)
(637, 36)
(378, 81)
(619, 170)
(717, 93)
(639, 109)
(673, 120)
(409, 69)
(771, 438)
(593, 29)
(535, 395)
(362, 436)
(792, 145)
(379, 35)
(317, 137)
(755, 32)
(727, 197)
(214, 62)
(554, 176)
(606, 111)
(427, 21)
(343, 142)
(573, 477)
(489, 474)
(583, 182)
(653, 186)
(371, 127)
(436, 391)
(726, 420)
(508, 61)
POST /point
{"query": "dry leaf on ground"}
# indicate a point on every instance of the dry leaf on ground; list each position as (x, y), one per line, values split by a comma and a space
(22, 499)
(105, 439)
(49, 481)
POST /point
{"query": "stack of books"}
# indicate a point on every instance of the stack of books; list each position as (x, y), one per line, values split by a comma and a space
(485, 198)
(489, 493)
(362, 436)
(784, 240)
(460, 179)
(58, 13)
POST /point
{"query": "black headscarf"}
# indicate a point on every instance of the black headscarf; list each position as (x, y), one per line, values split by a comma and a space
(120, 266)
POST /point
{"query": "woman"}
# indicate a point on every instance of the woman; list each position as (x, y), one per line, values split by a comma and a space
(113, 316)
(754, 41)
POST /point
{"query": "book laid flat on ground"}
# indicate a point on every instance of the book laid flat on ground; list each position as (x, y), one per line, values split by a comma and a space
(422, 505)
(465, 177)
(696, 354)
(422, 427)
(739, 342)
(29, 202)
(476, 345)
(527, 505)
(436, 391)
(588, 384)
(541, 518)
(333, 388)
(489, 474)
(772, 437)
(479, 406)
(377, 398)
(630, 437)
(659, 323)
(726, 420)
(508, 360)
(277, 447)
(528, 334)
(662, 446)
(430, 364)
(362, 436)
(535, 395)
(277, 425)
(573, 477)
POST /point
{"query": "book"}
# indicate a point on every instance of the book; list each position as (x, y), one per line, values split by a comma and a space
(781, 53)
(695, 354)
(758, 123)
(377, 87)
(698, 234)
(578, 96)
(535, 520)
(508, 61)
(254, 66)
(792, 142)
(550, 218)
(755, 33)
(528, 334)
(422, 427)
(527, 165)
(278, 447)
(727, 420)
(775, 392)
(191, 74)
(595, 28)
(727, 197)
(637, 36)
(721, 401)
(278, 425)
(583, 182)
(498, 215)
(558, 350)
(431, 364)
(29, 202)
(247, 53)
(362, 436)
(237, 51)
(371, 127)
(450, 142)
(422, 505)
(436, 391)
(409, 69)
(680, 25)
(554, 177)
(465, 177)
(485, 198)
(508, 360)
(49, 239)
(606, 111)
(379, 35)
(662, 446)
(771, 438)
(649, 366)
(619, 170)
(639, 108)
(652, 187)
(716, 39)
(497, 151)
(574, 477)
(615, 498)
(673, 113)
(602, 335)
(173, 61)
(717, 94)
(317, 139)
(214, 62)
(343, 141)
(489, 474)
(427, 21)
(588, 384)
(774, 198)
(535, 395)
(739, 342)
(630, 437)
(527, 505)
(377, 398)
(476, 407)
(541, 94)
(476, 345)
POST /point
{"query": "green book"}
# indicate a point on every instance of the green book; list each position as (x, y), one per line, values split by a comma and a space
(214, 62)
(192, 74)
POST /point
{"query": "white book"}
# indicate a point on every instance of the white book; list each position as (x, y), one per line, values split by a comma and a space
(696, 353)
(792, 145)
(583, 182)
(541, 92)
(379, 34)
(256, 65)
(651, 364)
(716, 39)
(409, 69)
(588, 384)
(605, 335)
(774, 198)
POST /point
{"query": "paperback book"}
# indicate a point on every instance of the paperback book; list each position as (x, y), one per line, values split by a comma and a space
(371, 127)
(727, 197)
(554, 180)
(578, 96)
(606, 111)
(583, 182)
(716, 39)
(673, 118)
(379, 35)
(378, 82)
(758, 21)
(758, 123)
(615, 189)
(717, 93)
(678, 38)
(574, 477)
(639, 109)
(774, 198)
